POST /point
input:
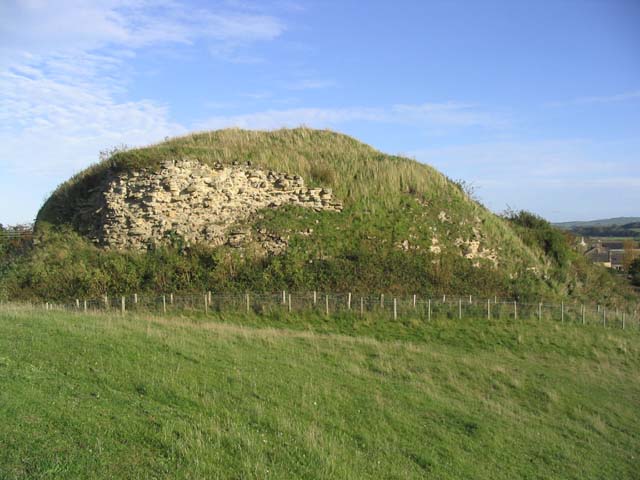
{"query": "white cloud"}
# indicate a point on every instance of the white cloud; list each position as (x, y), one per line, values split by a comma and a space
(603, 99)
(543, 162)
(51, 124)
(428, 115)
(564, 178)
(64, 71)
(310, 84)
(45, 26)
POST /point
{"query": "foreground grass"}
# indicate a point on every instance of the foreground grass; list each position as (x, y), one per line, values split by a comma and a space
(142, 397)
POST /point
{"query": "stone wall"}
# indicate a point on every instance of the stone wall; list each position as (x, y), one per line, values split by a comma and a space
(198, 203)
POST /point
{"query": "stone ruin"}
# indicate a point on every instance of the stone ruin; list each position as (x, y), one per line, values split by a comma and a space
(195, 202)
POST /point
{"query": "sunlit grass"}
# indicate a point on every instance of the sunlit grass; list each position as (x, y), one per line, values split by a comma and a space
(96, 396)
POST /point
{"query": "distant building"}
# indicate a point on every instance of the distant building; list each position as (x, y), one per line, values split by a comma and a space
(598, 254)
(610, 254)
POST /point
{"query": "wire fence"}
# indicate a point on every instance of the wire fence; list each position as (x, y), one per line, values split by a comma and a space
(332, 304)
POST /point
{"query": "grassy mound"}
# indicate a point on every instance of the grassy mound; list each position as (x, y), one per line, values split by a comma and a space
(405, 229)
(137, 397)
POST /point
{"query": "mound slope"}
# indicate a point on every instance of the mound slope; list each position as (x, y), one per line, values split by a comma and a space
(293, 208)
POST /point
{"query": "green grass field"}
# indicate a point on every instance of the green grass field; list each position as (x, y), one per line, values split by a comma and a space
(96, 396)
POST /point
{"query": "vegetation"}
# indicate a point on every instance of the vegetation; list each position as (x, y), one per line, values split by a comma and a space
(137, 397)
(634, 272)
(396, 210)
(605, 222)
(628, 230)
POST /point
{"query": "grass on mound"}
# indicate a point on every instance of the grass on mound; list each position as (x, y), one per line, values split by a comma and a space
(87, 396)
(369, 182)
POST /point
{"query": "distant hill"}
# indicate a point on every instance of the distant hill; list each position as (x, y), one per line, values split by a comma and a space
(605, 222)
(620, 227)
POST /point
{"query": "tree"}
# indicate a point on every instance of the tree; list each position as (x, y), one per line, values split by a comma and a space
(629, 254)
(634, 272)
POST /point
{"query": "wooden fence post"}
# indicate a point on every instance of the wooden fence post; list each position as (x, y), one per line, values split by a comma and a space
(206, 304)
(315, 298)
(135, 298)
(106, 302)
(284, 297)
(488, 309)
(460, 309)
(209, 299)
(623, 320)
(248, 303)
(414, 301)
(85, 305)
(382, 300)
(540, 311)
(122, 305)
(326, 304)
(77, 304)
(582, 310)
(395, 309)
(361, 306)
(429, 311)
(171, 299)
(164, 304)
(289, 308)
(515, 309)
(349, 301)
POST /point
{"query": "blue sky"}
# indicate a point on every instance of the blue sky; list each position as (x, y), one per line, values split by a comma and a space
(537, 104)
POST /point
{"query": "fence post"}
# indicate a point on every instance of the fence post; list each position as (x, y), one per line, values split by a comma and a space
(326, 304)
(77, 304)
(361, 306)
(470, 300)
(135, 298)
(284, 297)
(444, 298)
(85, 305)
(623, 320)
(106, 302)
(171, 299)
(382, 300)
(395, 308)
(206, 304)
(164, 304)
(604, 317)
(289, 307)
(539, 311)
(315, 298)
(349, 301)
(562, 312)
(515, 309)
(488, 309)
(248, 303)
(208, 299)
(429, 311)
(582, 314)
(460, 309)
(122, 305)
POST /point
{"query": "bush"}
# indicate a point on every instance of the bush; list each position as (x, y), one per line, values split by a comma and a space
(634, 272)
